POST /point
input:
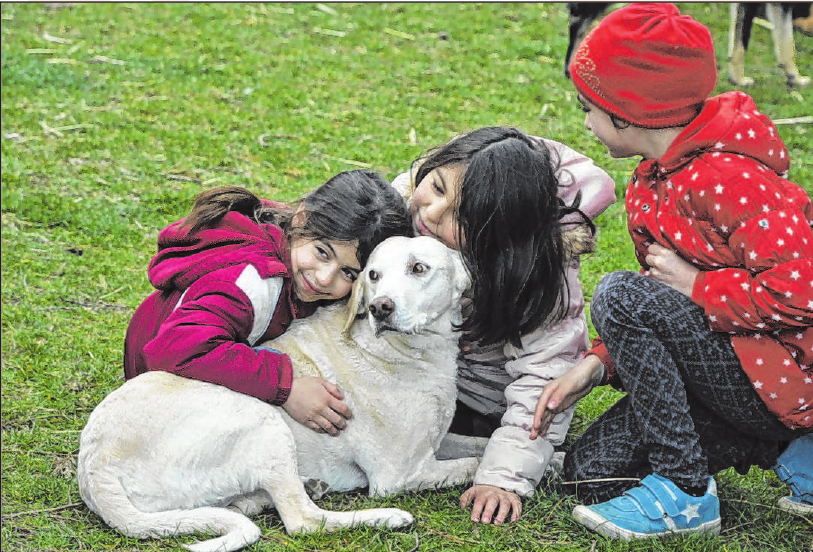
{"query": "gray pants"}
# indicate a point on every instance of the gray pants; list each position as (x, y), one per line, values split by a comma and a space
(689, 411)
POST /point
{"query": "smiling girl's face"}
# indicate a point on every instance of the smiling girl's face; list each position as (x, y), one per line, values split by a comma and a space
(433, 204)
(323, 269)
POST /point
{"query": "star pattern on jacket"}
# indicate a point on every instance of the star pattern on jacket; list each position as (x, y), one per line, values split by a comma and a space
(719, 198)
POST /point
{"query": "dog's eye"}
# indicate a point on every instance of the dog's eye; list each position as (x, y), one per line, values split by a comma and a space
(373, 276)
(419, 268)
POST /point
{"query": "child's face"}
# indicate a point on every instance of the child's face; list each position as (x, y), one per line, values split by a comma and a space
(323, 269)
(433, 205)
(599, 123)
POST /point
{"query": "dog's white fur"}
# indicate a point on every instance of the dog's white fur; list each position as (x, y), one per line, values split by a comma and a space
(165, 455)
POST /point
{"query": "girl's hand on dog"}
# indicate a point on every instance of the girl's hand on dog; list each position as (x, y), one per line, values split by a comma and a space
(317, 404)
(487, 499)
(666, 266)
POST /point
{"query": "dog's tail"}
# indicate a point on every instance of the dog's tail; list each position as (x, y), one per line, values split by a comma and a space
(106, 497)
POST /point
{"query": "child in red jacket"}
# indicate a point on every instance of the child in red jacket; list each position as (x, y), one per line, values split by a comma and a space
(238, 270)
(712, 341)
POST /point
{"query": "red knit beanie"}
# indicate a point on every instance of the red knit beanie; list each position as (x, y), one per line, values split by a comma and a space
(647, 64)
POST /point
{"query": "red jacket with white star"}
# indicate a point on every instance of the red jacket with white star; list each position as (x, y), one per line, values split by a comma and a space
(718, 198)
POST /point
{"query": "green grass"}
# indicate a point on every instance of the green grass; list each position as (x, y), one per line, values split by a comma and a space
(114, 116)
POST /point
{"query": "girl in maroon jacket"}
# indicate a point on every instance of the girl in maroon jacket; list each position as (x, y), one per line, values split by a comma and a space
(238, 270)
(712, 341)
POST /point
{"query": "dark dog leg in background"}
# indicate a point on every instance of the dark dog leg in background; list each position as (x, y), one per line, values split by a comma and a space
(742, 20)
(580, 16)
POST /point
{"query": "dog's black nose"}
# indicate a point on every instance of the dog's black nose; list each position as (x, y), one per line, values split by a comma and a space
(381, 308)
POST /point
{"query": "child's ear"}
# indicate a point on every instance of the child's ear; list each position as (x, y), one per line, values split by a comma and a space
(355, 305)
(299, 218)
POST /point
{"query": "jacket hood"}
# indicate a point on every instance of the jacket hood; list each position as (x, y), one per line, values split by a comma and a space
(728, 123)
(183, 258)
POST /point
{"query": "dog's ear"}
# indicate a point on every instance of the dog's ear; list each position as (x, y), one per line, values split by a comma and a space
(461, 279)
(355, 305)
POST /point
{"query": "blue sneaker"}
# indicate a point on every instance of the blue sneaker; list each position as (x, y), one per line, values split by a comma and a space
(656, 508)
(795, 468)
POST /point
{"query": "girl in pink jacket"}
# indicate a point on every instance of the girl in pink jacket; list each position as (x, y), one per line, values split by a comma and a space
(520, 210)
(238, 270)
(713, 339)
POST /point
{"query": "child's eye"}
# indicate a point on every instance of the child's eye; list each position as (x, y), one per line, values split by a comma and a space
(584, 108)
(437, 188)
(322, 252)
(351, 275)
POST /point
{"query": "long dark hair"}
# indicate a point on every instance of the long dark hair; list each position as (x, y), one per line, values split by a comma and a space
(352, 206)
(509, 230)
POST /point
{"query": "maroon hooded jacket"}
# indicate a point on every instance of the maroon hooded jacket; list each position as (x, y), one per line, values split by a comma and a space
(219, 291)
(719, 199)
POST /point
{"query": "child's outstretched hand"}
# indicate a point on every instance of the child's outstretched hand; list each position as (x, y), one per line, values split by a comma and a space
(564, 391)
(317, 404)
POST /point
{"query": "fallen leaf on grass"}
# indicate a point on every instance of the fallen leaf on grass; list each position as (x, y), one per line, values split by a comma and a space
(53, 6)
(57, 131)
(63, 61)
(399, 34)
(263, 137)
(326, 9)
(329, 32)
(182, 178)
(105, 59)
(56, 39)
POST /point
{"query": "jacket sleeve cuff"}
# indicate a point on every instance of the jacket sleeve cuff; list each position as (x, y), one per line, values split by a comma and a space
(600, 350)
(286, 378)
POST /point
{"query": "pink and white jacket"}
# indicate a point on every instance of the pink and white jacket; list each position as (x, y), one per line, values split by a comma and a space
(219, 292)
(503, 379)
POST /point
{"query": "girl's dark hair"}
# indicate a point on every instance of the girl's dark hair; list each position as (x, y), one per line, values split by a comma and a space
(352, 206)
(509, 230)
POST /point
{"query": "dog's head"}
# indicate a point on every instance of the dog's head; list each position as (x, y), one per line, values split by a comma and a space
(408, 286)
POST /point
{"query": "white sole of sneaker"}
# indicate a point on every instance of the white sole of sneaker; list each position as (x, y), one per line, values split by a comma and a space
(595, 522)
(794, 507)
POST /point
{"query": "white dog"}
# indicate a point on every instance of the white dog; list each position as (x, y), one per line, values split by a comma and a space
(165, 455)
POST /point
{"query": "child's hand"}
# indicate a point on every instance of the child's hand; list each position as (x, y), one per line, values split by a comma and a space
(666, 266)
(487, 499)
(316, 403)
(564, 391)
